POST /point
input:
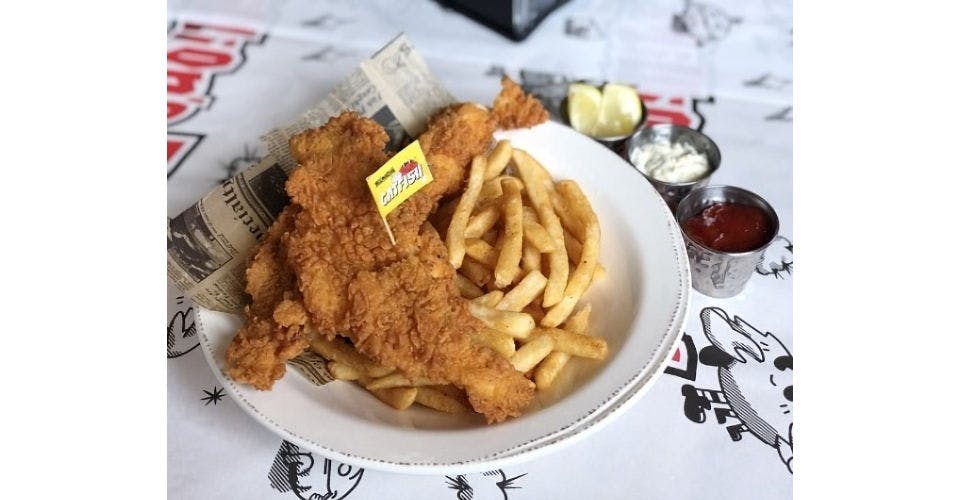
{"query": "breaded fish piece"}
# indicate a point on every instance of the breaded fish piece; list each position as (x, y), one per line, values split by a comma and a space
(411, 316)
(327, 264)
(259, 351)
(339, 232)
(513, 108)
(398, 304)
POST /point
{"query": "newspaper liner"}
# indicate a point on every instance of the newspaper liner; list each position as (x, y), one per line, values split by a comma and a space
(209, 243)
(312, 366)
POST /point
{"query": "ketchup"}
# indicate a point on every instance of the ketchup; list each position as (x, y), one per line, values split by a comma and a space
(730, 227)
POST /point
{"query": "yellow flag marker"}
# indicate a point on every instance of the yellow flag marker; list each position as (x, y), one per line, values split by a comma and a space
(397, 180)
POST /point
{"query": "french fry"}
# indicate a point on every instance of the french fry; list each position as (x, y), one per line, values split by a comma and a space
(386, 382)
(499, 342)
(581, 277)
(528, 211)
(491, 190)
(490, 237)
(467, 288)
(548, 369)
(433, 398)
(530, 258)
(482, 221)
(508, 263)
(546, 372)
(567, 216)
(515, 324)
(599, 273)
(339, 351)
(536, 235)
(481, 251)
(476, 272)
(576, 344)
(574, 248)
(341, 371)
(489, 299)
(532, 353)
(577, 322)
(458, 223)
(536, 179)
(397, 380)
(523, 293)
(498, 159)
(400, 398)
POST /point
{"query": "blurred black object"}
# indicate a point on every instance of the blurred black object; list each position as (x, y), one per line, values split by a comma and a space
(514, 19)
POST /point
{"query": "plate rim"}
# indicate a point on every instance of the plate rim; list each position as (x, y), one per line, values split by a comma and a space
(594, 419)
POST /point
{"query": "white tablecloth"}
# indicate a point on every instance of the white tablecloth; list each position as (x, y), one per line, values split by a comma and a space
(717, 425)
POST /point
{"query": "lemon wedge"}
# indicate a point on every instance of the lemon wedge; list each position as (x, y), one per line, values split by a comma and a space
(613, 112)
(583, 107)
(620, 111)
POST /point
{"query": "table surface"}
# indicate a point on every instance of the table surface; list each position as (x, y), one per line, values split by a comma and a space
(714, 426)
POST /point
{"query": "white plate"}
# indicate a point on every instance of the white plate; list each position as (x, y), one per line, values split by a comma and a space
(639, 309)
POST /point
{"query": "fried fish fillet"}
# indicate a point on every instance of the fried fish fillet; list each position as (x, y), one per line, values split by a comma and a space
(398, 304)
(513, 108)
(339, 231)
(411, 316)
(259, 351)
(327, 265)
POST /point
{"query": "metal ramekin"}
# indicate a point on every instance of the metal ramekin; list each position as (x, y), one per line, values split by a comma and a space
(715, 273)
(673, 192)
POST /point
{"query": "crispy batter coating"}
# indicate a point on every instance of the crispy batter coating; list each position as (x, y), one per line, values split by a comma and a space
(261, 348)
(398, 304)
(410, 315)
(327, 265)
(515, 109)
(453, 137)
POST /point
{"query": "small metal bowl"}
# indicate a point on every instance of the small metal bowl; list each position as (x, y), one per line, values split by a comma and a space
(716, 273)
(673, 192)
(616, 143)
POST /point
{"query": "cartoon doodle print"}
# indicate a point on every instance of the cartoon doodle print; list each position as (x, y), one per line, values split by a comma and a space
(784, 115)
(755, 372)
(326, 22)
(327, 53)
(768, 81)
(777, 259)
(248, 158)
(491, 485)
(584, 28)
(181, 332)
(213, 396)
(495, 70)
(292, 470)
(683, 364)
(704, 22)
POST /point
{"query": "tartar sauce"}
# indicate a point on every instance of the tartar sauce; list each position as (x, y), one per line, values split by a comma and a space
(670, 162)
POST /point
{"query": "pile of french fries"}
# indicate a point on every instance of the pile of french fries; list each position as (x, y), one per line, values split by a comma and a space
(526, 249)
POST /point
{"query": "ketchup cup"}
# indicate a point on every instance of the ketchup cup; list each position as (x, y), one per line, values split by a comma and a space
(713, 272)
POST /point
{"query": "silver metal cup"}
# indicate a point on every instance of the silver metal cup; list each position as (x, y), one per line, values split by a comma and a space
(673, 192)
(715, 273)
